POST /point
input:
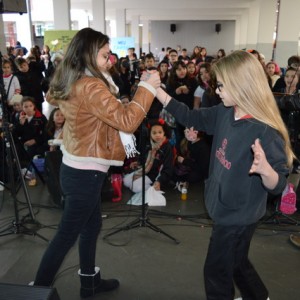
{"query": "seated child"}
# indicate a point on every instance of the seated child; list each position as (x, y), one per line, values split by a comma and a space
(30, 131)
(192, 163)
(54, 129)
(158, 160)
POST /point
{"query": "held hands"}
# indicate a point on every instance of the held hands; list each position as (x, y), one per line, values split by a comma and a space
(152, 77)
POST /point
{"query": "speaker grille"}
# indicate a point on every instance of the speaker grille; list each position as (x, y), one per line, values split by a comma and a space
(25, 292)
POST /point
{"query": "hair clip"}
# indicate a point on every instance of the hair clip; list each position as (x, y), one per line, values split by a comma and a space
(161, 121)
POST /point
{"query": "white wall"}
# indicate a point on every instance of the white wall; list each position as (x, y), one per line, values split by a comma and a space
(191, 33)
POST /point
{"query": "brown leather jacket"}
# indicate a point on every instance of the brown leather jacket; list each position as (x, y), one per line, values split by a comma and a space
(93, 118)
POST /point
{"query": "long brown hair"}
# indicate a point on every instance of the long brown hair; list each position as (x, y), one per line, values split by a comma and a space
(81, 54)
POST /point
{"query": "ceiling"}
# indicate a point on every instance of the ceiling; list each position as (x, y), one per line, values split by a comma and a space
(171, 9)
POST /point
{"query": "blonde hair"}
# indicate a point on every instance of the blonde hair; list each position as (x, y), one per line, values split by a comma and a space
(246, 82)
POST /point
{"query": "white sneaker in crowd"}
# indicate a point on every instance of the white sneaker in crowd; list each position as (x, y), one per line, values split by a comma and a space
(1, 186)
(27, 172)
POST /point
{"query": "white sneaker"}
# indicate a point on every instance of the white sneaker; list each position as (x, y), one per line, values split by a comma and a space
(26, 173)
(1, 186)
(31, 283)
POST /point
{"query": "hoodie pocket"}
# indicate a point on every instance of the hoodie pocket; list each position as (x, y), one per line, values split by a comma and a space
(218, 205)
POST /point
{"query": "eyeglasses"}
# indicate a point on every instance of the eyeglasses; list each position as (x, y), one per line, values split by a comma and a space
(295, 65)
(106, 57)
(220, 86)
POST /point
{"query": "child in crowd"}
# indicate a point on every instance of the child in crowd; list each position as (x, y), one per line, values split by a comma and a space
(183, 56)
(273, 71)
(195, 57)
(251, 157)
(125, 75)
(192, 162)
(54, 129)
(11, 82)
(181, 87)
(204, 80)
(158, 161)
(31, 132)
(191, 69)
(173, 58)
(149, 61)
(163, 72)
(221, 53)
(30, 80)
(16, 102)
(292, 82)
(292, 87)
(156, 107)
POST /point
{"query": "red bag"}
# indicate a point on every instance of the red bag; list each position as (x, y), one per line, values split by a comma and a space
(288, 200)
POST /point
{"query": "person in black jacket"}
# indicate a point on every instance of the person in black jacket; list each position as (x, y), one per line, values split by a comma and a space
(31, 128)
(158, 160)
(30, 78)
(192, 162)
(251, 156)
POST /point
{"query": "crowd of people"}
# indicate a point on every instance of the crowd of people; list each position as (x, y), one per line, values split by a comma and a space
(26, 76)
(187, 137)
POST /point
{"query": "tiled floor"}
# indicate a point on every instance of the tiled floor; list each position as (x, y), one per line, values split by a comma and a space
(148, 264)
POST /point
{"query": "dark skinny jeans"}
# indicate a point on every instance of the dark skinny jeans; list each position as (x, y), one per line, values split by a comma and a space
(81, 217)
(227, 263)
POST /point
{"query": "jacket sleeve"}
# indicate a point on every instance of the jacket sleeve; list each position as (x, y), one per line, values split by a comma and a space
(105, 106)
(203, 119)
(273, 146)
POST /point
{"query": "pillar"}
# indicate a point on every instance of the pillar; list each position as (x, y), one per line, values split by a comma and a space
(99, 15)
(253, 24)
(2, 36)
(62, 14)
(145, 36)
(135, 32)
(288, 31)
(121, 22)
(267, 23)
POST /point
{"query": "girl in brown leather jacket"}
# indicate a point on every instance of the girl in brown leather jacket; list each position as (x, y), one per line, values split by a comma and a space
(95, 126)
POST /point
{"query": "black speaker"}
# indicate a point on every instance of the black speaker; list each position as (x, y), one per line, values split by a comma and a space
(16, 6)
(218, 27)
(173, 28)
(26, 292)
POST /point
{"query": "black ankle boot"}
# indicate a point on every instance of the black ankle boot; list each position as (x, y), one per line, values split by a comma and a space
(92, 284)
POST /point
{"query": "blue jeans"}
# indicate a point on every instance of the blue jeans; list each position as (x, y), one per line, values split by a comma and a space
(227, 262)
(81, 217)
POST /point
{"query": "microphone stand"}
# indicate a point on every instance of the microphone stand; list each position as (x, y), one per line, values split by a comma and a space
(143, 220)
(13, 161)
